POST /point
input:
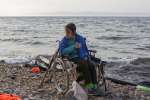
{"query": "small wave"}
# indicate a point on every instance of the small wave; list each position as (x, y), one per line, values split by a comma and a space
(139, 61)
(93, 46)
(24, 41)
(41, 37)
(143, 48)
(113, 30)
(16, 60)
(113, 38)
(24, 30)
(19, 30)
(114, 58)
(139, 26)
(126, 52)
(82, 25)
(121, 31)
(35, 43)
(109, 30)
(147, 47)
(12, 39)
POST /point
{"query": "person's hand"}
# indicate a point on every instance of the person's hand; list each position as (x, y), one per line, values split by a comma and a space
(78, 45)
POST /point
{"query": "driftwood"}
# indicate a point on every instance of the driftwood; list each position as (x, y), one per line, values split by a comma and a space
(120, 81)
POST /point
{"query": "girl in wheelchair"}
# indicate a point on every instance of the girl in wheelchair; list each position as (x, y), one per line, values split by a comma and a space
(73, 46)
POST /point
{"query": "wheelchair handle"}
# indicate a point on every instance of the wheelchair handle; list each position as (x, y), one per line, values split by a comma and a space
(92, 51)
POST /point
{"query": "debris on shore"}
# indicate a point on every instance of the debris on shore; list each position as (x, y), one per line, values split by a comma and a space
(19, 80)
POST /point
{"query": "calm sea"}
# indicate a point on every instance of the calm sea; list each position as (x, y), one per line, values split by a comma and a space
(115, 38)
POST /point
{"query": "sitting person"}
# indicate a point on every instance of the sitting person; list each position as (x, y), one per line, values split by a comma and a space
(73, 46)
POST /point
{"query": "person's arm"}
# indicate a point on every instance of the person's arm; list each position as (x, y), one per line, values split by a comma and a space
(68, 50)
(65, 50)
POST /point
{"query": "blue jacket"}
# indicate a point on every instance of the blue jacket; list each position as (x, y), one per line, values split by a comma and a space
(83, 51)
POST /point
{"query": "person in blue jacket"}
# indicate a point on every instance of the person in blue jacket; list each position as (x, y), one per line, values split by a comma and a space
(73, 46)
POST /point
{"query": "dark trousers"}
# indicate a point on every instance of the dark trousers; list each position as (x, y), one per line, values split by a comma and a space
(88, 71)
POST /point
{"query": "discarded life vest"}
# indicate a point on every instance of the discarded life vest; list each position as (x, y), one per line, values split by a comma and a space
(9, 97)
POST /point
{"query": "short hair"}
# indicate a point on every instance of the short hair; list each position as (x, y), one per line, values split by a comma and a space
(71, 26)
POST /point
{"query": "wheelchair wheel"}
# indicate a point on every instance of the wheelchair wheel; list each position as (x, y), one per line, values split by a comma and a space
(100, 77)
(61, 76)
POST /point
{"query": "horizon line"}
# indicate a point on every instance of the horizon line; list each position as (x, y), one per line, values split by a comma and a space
(74, 16)
(88, 13)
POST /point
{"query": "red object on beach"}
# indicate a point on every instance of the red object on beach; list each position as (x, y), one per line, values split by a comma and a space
(9, 97)
(36, 70)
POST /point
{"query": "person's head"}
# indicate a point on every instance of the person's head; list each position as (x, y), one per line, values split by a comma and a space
(70, 30)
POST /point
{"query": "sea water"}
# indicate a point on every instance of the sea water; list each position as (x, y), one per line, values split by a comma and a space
(115, 38)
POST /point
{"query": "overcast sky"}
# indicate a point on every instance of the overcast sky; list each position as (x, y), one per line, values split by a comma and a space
(74, 7)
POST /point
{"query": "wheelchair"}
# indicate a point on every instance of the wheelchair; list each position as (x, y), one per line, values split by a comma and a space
(59, 71)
